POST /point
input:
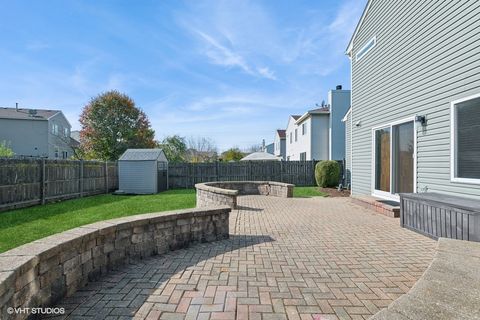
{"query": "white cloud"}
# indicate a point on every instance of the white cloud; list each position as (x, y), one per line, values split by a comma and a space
(267, 73)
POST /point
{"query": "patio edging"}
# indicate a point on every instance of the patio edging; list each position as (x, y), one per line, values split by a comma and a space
(226, 192)
(40, 273)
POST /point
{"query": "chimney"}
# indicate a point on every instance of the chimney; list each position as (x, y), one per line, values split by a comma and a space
(263, 145)
(339, 87)
(16, 106)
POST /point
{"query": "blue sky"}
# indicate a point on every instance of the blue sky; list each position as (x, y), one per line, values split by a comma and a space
(229, 70)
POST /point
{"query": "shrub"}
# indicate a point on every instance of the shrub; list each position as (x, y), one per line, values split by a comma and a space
(327, 173)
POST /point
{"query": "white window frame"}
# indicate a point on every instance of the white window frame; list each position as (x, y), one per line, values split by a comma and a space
(453, 160)
(390, 195)
(366, 48)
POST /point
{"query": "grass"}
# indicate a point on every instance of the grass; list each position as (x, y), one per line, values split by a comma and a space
(21, 226)
(307, 192)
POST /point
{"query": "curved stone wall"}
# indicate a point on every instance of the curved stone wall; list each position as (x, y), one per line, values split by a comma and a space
(40, 273)
(448, 289)
(226, 192)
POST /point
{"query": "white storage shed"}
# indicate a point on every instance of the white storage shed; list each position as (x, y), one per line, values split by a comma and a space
(143, 171)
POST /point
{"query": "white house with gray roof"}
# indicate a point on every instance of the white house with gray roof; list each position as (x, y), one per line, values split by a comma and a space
(415, 117)
(36, 132)
(319, 134)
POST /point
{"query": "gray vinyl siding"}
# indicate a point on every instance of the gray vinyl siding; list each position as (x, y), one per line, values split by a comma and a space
(25, 137)
(348, 154)
(137, 177)
(58, 141)
(427, 55)
(319, 137)
(339, 104)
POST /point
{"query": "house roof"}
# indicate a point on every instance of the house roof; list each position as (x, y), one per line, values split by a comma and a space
(281, 133)
(260, 156)
(27, 114)
(359, 24)
(295, 116)
(143, 155)
(75, 135)
(319, 111)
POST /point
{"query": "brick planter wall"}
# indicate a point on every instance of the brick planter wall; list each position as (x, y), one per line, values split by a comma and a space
(225, 193)
(44, 271)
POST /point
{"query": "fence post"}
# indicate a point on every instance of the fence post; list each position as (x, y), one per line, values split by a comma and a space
(281, 171)
(313, 173)
(43, 182)
(81, 178)
(106, 177)
(216, 170)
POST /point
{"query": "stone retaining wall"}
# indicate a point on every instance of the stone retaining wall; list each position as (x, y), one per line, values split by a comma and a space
(449, 288)
(40, 273)
(225, 193)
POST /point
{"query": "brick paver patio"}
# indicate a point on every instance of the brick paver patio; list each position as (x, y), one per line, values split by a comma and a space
(317, 258)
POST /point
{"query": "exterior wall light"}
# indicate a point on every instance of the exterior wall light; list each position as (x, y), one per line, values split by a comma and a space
(421, 119)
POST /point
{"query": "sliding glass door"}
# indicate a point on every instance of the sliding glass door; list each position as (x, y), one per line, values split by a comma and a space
(394, 159)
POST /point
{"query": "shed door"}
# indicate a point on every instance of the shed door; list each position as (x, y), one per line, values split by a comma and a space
(162, 176)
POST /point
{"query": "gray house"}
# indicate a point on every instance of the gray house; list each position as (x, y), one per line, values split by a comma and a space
(339, 103)
(415, 118)
(142, 171)
(36, 132)
(280, 147)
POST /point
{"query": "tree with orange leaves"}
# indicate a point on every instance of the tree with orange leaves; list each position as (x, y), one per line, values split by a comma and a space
(111, 123)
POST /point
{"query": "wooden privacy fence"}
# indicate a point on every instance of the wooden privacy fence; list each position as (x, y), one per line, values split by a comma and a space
(26, 182)
(186, 175)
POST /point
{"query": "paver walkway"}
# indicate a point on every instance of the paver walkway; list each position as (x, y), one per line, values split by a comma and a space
(316, 258)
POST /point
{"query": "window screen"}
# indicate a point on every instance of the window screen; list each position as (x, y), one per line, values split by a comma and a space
(467, 138)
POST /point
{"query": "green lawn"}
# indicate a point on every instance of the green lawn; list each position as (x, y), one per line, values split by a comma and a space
(21, 226)
(25, 225)
(307, 192)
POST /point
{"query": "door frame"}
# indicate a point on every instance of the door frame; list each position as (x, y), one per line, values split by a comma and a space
(390, 195)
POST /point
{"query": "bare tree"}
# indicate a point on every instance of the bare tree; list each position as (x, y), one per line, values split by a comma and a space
(201, 149)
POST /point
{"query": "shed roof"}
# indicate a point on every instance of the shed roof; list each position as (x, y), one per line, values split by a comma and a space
(143, 155)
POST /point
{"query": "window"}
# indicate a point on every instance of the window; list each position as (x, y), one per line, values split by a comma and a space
(65, 155)
(303, 156)
(465, 141)
(304, 129)
(296, 135)
(55, 129)
(56, 153)
(367, 47)
(290, 137)
(66, 132)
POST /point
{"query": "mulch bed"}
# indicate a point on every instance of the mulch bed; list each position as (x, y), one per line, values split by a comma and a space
(333, 192)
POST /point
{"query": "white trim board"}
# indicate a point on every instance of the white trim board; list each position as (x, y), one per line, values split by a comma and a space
(389, 195)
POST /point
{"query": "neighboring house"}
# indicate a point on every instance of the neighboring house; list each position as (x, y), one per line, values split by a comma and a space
(319, 134)
(280, 144)
(307, 135)
(36, 132)
(339, 103)
(269, 148)
(415, 117)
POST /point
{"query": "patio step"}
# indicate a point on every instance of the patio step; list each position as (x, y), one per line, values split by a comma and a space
(388, 208)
